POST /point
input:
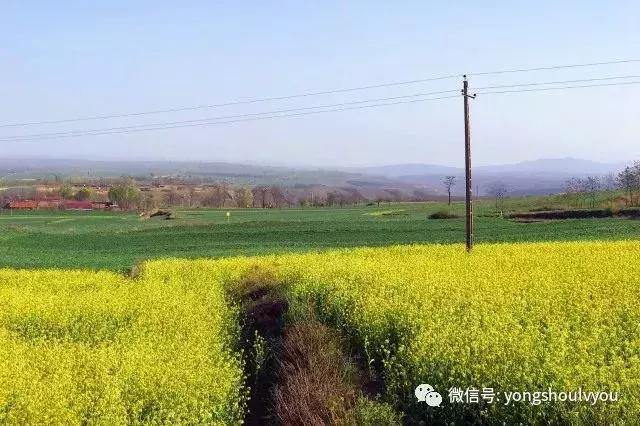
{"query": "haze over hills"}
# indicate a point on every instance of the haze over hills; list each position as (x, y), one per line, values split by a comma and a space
(553, 165)
(541, 176)
(23, 171)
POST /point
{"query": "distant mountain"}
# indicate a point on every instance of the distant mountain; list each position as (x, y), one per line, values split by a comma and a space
(31, 169)
(562, 166)
(543, 176)
(396, 170)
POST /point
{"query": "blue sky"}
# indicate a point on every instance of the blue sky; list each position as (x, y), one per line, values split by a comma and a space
(71, 59)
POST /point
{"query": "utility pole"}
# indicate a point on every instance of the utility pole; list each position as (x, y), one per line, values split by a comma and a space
(467, 165)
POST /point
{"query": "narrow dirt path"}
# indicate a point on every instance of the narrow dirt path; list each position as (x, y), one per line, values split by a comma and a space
(300, 373)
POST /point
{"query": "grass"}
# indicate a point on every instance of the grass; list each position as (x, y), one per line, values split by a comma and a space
(318, 382)
(116, 241)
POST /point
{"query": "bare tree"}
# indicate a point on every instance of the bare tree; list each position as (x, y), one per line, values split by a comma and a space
(278, 197)
(192, 196)
(147, 202)
(174, 197)
(636, 172)
(629, 181)
(591, 187)
(449, 182)
(244, 197)
(332, 198)
(394, 195)
(218, 195)
(352, 195)
(260, 195)
(572, 185)
(498, 190)
(421, 195)
(609, 182)
(584, 190)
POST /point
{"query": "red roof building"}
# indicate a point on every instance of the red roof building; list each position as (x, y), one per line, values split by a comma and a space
(22, 205)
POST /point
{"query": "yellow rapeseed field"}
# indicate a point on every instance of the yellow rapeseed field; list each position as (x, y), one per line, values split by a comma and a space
(510, 317)
(82, 347)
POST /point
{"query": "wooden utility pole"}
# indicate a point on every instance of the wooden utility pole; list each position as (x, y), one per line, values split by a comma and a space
(467, 165)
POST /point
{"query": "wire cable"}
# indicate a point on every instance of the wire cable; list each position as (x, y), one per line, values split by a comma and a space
(242, 102)
(88, 131)
(586, 80)
(541, 89)
(317, 93)
(240, 120)
(555, 67)
(209, 123)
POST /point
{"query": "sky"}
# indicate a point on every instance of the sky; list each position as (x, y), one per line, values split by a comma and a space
(72, 59)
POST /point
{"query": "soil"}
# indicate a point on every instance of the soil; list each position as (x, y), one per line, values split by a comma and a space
(264, 317)
(305, 366)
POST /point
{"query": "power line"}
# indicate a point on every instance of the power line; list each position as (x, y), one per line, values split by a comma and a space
(239, 120)
(89, 131)
(541, 89)
(266, 117)
(317, 93)
(228, 117)
(242, 102)
(555, 67)
(586, 80)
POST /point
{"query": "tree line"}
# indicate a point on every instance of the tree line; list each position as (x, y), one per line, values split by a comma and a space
(627, 181)
(128, 195)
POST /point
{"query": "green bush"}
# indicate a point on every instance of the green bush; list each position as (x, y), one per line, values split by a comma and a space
(443, 214)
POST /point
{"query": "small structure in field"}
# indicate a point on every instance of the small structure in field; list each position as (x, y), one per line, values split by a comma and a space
(22, 205)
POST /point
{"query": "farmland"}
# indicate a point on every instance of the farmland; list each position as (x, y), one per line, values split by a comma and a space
(117, 241)
(107, 320)
(509, 317)
(80, 347)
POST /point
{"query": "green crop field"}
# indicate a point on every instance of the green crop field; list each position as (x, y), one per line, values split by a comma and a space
(117, 241)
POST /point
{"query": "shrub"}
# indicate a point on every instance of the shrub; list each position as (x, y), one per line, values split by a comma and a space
(369, 412)
(443, 214)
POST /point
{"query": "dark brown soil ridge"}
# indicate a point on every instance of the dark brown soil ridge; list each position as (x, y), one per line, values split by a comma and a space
(577, 214)
(262, 333)
(302, 373)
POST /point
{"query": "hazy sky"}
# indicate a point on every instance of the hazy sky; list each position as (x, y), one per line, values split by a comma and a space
(69, 59)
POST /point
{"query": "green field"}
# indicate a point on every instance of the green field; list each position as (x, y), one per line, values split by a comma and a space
(111, 240)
